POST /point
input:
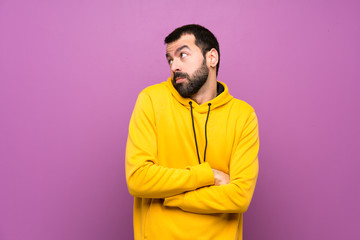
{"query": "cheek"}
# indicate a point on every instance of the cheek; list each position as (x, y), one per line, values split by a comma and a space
(192, 65)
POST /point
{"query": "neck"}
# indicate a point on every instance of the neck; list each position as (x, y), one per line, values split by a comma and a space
(207, 92)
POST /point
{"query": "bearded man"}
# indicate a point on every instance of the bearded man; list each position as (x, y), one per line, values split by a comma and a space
(192, 149)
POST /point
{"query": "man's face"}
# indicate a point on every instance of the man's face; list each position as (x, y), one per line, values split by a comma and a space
(188, 66)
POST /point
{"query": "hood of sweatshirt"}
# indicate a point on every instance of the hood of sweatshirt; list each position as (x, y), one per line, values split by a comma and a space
(218, 101)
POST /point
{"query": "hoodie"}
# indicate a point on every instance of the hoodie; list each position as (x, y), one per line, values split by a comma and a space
(172, 146)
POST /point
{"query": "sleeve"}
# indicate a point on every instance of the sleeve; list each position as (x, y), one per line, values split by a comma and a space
(145, 177)
(234, 197)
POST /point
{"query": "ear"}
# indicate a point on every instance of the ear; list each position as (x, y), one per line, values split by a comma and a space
(212, 57)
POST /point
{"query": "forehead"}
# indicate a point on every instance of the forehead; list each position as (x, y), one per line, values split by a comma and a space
(187, 39)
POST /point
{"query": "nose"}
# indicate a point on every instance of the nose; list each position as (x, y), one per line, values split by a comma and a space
(176, 65)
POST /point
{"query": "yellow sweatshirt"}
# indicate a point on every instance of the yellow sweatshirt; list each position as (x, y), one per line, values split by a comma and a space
(175, 196)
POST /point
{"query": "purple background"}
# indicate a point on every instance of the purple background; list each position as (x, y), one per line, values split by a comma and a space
(70, 72)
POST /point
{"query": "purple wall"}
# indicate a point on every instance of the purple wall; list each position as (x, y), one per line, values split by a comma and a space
(70, 73)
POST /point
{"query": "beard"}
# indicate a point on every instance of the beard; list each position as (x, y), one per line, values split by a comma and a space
(193, 84)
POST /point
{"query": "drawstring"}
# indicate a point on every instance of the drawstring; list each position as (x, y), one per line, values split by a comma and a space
(207, 118)
(192, 119)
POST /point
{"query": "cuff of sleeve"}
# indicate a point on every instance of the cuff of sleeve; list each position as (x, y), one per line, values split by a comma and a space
(204, 174)
(174, 201)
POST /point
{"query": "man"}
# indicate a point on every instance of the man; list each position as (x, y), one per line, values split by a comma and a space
(191, 155)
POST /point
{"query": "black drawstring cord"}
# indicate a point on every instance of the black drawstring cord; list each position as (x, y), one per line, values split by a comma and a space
(192, 119)
(207, 118)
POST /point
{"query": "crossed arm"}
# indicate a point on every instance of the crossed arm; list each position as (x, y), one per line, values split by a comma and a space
(197, 189)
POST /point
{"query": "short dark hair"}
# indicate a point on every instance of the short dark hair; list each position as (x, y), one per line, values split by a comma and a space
(204, 39)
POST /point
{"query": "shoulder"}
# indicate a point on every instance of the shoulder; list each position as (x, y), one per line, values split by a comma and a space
(242, 112)
(155, 91)
(242, 106)
(244, 115)
(154, 96)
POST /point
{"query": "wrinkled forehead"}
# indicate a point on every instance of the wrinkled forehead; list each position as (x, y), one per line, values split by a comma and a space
(187, 39)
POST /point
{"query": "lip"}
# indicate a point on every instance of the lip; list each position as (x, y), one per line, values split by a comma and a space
(179, 80)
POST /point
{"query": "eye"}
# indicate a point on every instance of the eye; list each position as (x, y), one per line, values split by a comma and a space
(170, 61)
(182, 55)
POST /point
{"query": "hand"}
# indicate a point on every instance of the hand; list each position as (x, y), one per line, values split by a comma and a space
(221, 178)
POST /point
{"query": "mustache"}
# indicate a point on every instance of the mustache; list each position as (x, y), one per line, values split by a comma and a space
(180, 75)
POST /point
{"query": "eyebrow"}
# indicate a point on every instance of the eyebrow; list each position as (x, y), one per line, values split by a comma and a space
(178, 50)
